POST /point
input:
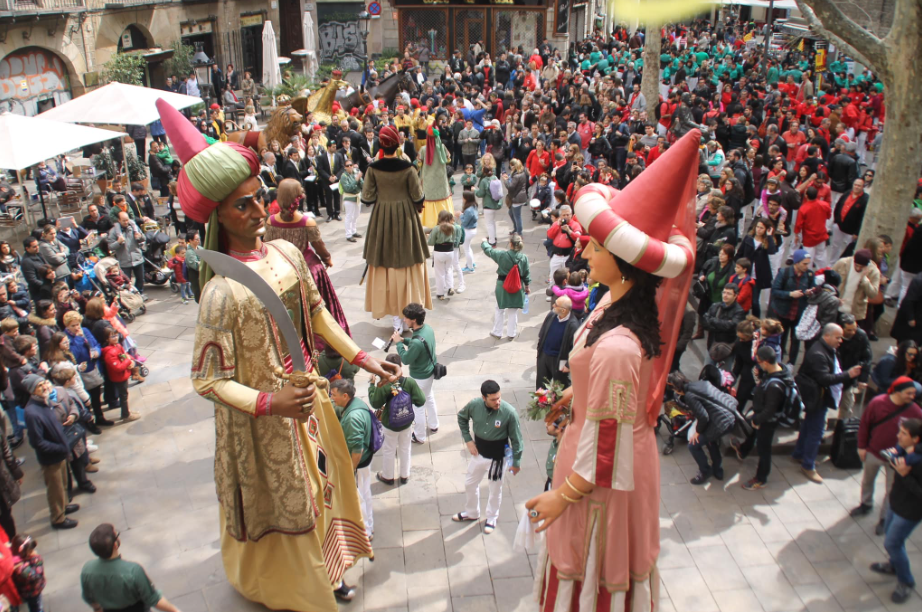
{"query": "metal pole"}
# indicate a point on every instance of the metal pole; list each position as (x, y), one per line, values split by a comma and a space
(41, 198)
(121, 140)
(769, 20)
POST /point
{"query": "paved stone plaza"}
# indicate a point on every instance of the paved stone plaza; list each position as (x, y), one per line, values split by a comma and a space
(791, 546)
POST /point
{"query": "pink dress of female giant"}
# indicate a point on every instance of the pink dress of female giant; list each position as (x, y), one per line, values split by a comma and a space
(604, 550)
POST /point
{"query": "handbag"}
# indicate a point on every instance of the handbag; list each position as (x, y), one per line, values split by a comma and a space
(438, 370)
(91, 378)
(699, 290)
(73, 433)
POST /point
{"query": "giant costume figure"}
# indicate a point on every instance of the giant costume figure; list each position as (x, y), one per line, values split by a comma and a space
(290, 518)
(602, 514)
(395, 243)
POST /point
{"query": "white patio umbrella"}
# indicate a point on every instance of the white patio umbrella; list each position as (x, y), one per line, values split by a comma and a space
(310, 43)
(118, 104)
(26, 141)
(272, 74)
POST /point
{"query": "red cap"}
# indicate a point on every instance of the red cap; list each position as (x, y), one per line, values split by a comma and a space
(215, 107)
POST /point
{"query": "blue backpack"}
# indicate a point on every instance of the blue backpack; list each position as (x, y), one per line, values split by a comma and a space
(400, 412)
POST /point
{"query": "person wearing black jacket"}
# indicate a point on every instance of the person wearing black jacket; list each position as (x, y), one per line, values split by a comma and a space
(820, 380)
(855, 350)
(905, 511)
(290, 167)
(847, 218)
(842, 169)
(46, 436)
(715, 414)
(159, 169)
(768, 402)
(721, 319)
(555, 340)
(329, 168)
(502, 70)
(38, 274)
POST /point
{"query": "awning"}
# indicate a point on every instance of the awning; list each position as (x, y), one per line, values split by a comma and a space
(119, 104)
(25, 141)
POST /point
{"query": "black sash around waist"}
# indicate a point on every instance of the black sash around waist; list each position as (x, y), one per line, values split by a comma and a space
(138, 607)
(561, 251)
(494, 450)
(444, 247)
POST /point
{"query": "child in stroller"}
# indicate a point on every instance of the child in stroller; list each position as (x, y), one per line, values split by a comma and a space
(116, 287)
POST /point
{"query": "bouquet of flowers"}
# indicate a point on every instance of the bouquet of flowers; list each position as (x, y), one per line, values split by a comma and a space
(543, 400)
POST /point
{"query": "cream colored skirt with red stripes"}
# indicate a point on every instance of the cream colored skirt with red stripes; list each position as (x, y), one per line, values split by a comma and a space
(555, 594)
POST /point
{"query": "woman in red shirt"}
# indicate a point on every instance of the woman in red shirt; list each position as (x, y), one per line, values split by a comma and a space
(538, 161)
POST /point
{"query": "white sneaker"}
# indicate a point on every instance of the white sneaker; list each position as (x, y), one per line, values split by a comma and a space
(459, 290)
(91, 447)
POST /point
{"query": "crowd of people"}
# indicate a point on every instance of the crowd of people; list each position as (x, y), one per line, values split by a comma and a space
(785, 168)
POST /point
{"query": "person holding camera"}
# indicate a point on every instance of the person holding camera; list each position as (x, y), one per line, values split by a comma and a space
(418, 353)
(905, 512)
(563, 234)
(877, 432)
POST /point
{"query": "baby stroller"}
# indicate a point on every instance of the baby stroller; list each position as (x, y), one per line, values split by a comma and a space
(130, 302)
(677, 418)
(155, 270)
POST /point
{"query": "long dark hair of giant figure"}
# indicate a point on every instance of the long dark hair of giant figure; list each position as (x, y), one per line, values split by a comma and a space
(636, 310)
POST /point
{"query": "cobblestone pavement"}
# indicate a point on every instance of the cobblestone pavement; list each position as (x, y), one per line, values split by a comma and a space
(791, 546)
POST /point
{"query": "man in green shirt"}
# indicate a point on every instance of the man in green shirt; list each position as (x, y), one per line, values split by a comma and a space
(111, 583)
(418, 352)
(396, 437)
(356, 424)
(495, 424)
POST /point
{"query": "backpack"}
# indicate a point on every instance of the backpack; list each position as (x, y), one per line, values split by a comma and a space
(749, 190)
(400, 412)
(375, 437)
(789, 415)
(513, 282)
(335, 374)
(496, 189)
(844, 451)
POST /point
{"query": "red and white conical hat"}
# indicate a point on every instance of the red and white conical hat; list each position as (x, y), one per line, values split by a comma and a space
(638, 224)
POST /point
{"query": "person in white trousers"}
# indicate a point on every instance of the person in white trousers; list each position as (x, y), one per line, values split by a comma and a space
(490, 429)
(418, 352)
(397, 435)
(351, 183)
(468, 220)
(356, 421)
(443, 239)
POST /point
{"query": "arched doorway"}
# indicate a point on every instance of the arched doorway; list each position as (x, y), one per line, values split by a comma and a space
(32, 80)
(133, 39)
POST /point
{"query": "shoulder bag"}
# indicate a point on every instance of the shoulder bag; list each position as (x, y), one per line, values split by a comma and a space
(438, 370)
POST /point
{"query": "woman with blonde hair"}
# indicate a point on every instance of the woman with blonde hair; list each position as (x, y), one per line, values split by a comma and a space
(508, 303)
(486, 161)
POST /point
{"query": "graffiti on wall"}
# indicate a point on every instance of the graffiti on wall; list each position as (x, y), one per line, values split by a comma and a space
(341, 43)
(31, 73)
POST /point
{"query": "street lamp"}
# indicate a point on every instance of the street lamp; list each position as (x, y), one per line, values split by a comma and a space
(365, 18)
(202, 65)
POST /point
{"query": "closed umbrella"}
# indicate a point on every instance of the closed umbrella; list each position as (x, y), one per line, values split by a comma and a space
(272, 74)
(310, 43)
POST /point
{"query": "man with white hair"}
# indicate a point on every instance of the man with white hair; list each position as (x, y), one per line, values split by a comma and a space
(555, 340)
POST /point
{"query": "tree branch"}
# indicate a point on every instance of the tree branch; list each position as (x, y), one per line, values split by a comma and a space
(827, 19)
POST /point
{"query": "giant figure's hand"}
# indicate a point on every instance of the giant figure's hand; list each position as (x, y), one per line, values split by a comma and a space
(386, 371)
(293, 402)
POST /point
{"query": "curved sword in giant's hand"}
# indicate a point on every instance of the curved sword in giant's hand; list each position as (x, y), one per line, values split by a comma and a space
(238, 271)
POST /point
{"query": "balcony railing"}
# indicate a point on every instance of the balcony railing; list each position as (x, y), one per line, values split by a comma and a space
(41, 6)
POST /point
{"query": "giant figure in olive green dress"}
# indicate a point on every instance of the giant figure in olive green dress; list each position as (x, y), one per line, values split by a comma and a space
(395, 243)
(435, 160)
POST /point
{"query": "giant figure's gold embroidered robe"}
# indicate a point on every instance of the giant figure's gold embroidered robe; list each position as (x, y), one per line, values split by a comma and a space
(290, 518)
